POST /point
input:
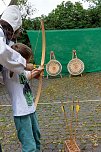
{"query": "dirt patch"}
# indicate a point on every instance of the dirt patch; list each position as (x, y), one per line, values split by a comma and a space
(87, 130)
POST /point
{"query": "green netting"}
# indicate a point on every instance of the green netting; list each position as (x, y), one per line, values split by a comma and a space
(86, 42)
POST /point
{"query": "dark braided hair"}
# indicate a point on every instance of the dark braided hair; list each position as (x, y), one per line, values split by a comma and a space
(8, 32)
(7, 29)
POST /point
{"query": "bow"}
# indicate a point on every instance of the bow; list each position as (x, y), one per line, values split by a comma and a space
(42, 64)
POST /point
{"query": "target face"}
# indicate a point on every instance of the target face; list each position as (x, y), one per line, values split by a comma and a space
(75, 66)
(53, 67)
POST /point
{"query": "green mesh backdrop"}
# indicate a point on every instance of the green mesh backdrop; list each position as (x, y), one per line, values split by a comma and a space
(86, 42)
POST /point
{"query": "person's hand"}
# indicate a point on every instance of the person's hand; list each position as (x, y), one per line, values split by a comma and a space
(29, 66)
(40, 68)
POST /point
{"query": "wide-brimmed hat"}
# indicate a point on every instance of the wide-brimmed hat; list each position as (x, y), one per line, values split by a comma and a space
(12, 15)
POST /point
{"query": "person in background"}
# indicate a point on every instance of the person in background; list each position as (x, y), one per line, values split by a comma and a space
(24, 110)
(10, 22)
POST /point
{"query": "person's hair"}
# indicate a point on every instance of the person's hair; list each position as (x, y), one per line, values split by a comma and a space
(23, 49)
(7, 29)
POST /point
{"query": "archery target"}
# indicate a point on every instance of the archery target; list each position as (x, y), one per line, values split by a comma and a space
(53, 67)
(75, 66)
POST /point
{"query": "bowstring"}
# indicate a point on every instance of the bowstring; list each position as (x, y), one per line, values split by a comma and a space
(34, 54)
(37, 40)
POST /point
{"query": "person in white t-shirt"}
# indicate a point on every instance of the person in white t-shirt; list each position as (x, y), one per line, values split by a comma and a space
(24, 111)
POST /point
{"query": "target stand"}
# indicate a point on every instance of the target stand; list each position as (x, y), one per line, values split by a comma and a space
(53, 67)
(75, 66)
(71, 146)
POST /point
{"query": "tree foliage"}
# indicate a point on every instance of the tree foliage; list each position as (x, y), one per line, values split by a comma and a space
(17, 2)
(71, 16)
(96, 2)
(66, 16)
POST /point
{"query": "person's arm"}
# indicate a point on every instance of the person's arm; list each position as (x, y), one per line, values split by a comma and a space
(9, 58)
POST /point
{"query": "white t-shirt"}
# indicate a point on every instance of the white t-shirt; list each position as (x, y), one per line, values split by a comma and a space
(19, 92)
